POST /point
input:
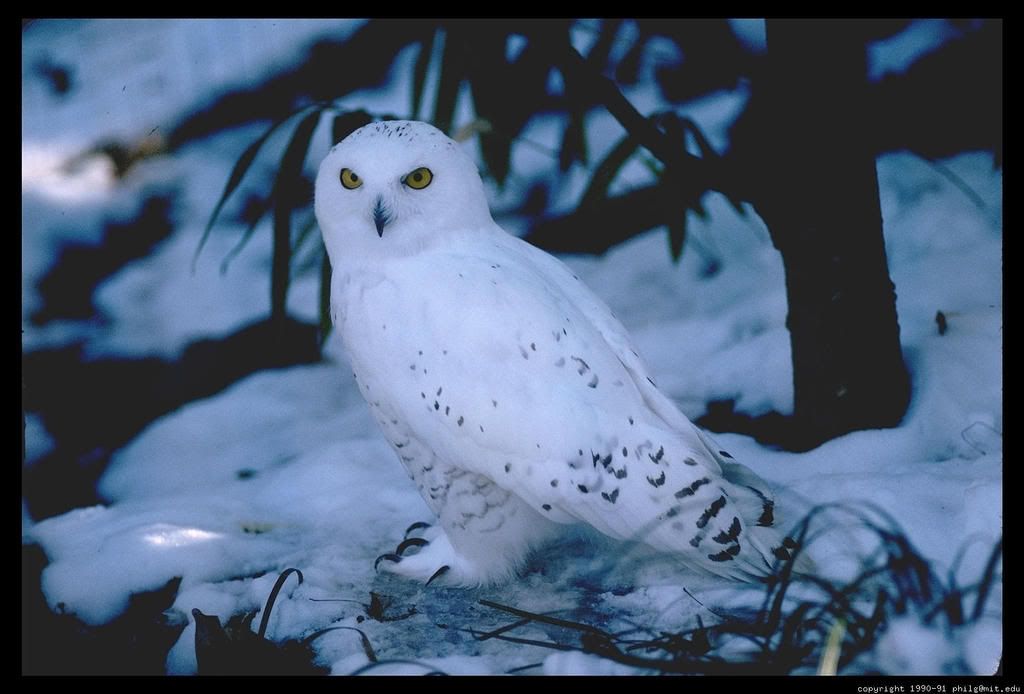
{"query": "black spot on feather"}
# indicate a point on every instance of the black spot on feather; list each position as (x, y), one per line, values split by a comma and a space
(583, 366)
(692, 489)
(657, 482)
(582, 488)
(611, 497)
(711, 511)
(730, 535)
(657, 456)
(724, 555)
(767, 517)
(724, 454)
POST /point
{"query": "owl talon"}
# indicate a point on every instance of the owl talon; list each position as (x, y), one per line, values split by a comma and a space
(418, 525)
(438, 574)
(410, 542)
(388, 556)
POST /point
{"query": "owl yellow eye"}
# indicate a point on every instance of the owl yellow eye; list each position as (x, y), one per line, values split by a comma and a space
(419, 179)
(350, 179)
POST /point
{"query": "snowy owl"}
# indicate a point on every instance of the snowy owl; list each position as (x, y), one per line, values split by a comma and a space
(513, 397)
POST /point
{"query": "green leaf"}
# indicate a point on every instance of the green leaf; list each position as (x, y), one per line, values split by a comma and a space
(607, 170)
(325, 297)
(653, 165)
(344, 124)
(602, 48)
(574, 140)
(676, 237)
(705, 148)
(286, 199)
(241, 167)
(489, 76)
(419, 73)
(242, 243)
(452, 73)
(305, 232)
(708, 153)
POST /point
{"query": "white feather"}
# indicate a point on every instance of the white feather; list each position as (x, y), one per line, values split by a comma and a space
(511, 393)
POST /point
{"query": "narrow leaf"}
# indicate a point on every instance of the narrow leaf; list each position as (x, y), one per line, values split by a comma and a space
(241, 167)
(326, 322)
(265, 620)
(419, 73)
(242, 243)
(452, 72)
(602, 48)
(285, 200)
(304, 234)
(495, 143)
(489, 76)
(344, 124)
(708, 153)
(703, 145)
(676, 237)
(471, 129)
(607, 170)
(574, 139)
(307, 243)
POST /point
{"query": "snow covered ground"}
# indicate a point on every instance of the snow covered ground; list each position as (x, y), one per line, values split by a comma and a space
(286, 469)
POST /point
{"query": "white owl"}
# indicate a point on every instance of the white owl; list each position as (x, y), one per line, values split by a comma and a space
(511, 394)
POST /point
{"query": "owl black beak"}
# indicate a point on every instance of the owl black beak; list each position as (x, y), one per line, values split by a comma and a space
(381, 216)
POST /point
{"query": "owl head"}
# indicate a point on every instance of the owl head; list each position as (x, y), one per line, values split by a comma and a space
(394, 187)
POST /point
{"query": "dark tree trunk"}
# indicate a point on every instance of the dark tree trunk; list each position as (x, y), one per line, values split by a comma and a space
(817, 190)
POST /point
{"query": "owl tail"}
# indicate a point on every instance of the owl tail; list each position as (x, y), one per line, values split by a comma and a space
(765, 525)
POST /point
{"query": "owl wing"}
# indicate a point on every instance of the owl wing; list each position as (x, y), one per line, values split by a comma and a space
(750, 494)
(517, 372)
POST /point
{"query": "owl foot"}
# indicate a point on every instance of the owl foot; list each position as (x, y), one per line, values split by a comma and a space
(386, 557)
(410, 542)
(439, 573)
(399, 554)
(435, 562)
(418, 525)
